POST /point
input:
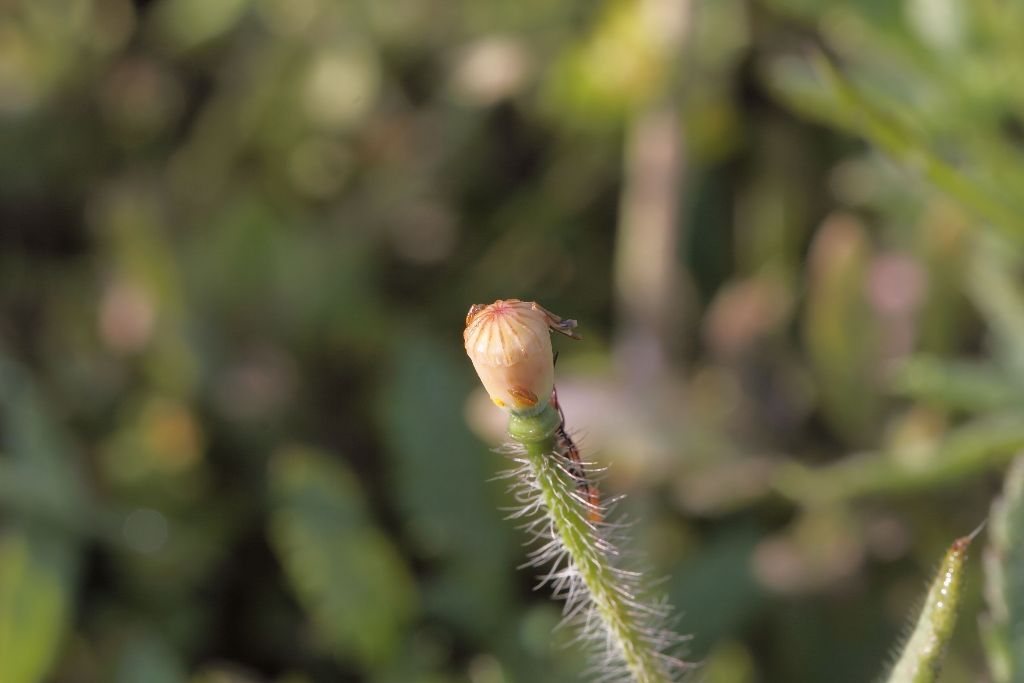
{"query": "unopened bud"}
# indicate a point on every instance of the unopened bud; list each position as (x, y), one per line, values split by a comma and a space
(510, 346)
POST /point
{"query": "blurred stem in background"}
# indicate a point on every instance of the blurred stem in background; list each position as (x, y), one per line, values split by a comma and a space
(651, 305)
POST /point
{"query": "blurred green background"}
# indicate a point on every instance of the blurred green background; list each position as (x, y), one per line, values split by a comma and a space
(240, 440)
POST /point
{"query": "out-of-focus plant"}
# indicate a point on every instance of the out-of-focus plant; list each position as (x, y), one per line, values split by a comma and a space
(899, 96)
(229, 227)
(39, 558)
(1003, 625)
(930, 90)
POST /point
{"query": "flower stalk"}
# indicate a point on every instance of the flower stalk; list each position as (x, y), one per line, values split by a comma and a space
(600, 597)
(923, 654)
(510, 347)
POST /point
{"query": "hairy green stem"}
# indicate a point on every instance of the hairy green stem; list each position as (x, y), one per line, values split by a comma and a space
(626, 625)
(921, 660)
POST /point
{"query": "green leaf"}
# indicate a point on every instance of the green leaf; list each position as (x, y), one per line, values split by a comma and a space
(442, 486)
(921, 659)
(35, 578)
(718, 589)
(983, 443)
(186, 24)
(346, 573)
(37, 445)
(963, 385)
(843, 363)
(994, 287)
(38, 560)
(147, 657)
(1003, 627)
(834, 98)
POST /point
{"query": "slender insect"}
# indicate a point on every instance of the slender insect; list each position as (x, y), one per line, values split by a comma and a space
(583, 484)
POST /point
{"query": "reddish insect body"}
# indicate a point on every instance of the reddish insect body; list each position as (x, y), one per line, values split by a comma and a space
(583, 485)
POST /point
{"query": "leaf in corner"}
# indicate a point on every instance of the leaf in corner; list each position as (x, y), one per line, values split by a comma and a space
(35, 574)
(1003, 626)
(38, 561)
(346, 573)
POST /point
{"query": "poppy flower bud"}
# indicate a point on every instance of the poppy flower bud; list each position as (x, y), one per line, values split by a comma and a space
(510, 346)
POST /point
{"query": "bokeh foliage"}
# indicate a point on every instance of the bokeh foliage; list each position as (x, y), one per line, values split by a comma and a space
(239, 441)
